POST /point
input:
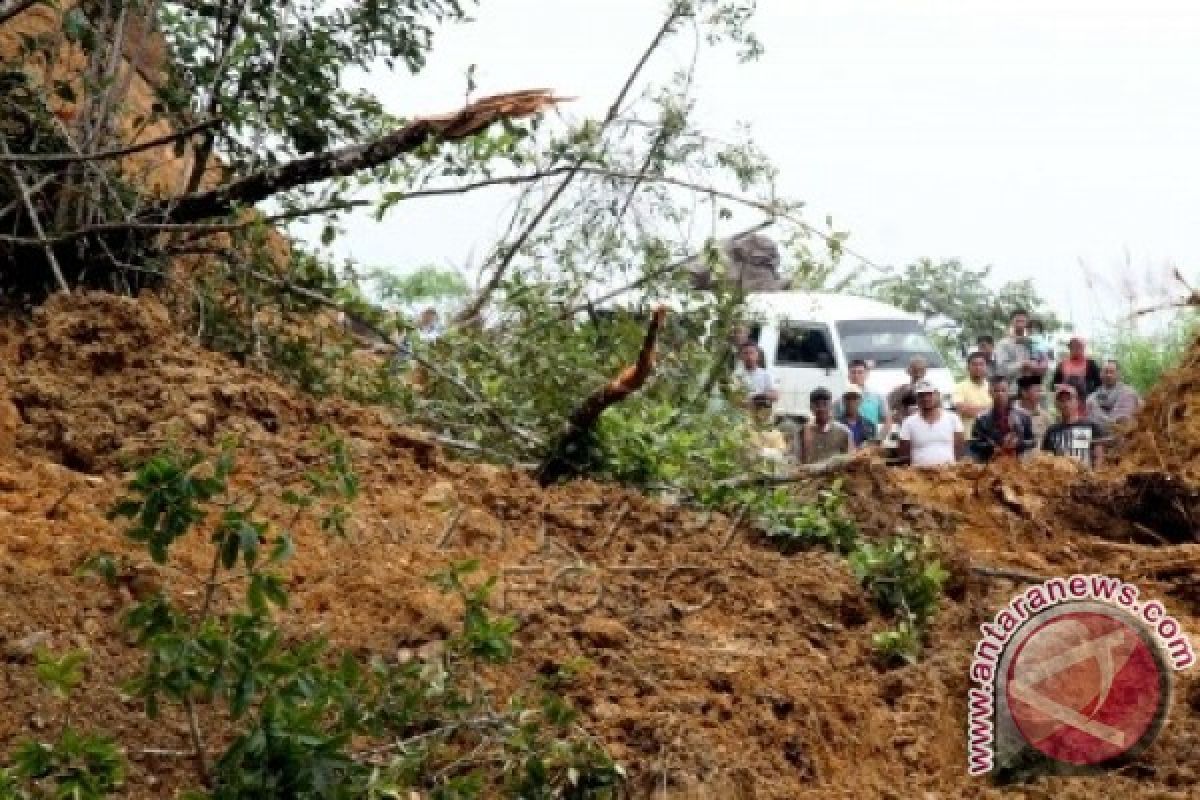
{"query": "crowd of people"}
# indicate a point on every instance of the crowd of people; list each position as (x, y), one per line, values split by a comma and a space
(999, 410)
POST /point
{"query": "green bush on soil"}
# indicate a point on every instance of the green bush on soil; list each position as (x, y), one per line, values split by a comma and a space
(309, 723)
(905, 578)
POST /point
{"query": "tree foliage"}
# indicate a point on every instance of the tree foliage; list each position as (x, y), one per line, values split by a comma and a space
(958, 303)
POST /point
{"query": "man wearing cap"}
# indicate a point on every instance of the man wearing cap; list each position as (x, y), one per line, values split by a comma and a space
(861, 429)
(1114, 401)
(1072, 436)
(1079, 371)
(1003, 430)
(971, 396)
(823, 437)
(931, 437)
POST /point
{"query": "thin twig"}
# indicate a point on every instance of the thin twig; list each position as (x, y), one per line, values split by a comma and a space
(472, 309)
(23, 188)
(200, 228)
(107, 155)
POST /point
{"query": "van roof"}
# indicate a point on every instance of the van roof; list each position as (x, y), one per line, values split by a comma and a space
(822, 306)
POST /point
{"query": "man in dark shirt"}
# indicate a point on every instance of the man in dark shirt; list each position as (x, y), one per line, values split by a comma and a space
(1073, 436)
(986, 345)
(861, 428)
(1002, 430)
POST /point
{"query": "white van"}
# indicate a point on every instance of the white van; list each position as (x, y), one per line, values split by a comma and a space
(809, 340)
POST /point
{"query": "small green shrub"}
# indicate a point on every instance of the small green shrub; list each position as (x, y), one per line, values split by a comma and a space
(75, 766)
(905, 579)
(309, 724)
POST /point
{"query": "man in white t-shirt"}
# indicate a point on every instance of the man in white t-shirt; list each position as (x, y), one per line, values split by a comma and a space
(932, 437)
(755, 380)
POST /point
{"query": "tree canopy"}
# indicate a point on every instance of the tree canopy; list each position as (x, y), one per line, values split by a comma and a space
(958, 303)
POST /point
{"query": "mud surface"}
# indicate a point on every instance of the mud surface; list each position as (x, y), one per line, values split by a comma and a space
(718, 667)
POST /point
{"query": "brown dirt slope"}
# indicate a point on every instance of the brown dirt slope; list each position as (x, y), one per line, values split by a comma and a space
(767, 691)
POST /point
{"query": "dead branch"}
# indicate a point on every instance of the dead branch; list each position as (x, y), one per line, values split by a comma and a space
(265, 183)
(583, 419)
(197, 228)
(797, 474)
(23, 189)
(107, 155)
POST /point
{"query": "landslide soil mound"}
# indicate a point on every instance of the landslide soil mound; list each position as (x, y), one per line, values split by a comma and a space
(719, 668)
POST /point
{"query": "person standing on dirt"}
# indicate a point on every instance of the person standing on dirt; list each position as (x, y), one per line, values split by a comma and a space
(861, 428)
(985, 345)
(822, 437)
(917, 367)
(755, 380)
(1003, 430)
(1114, 401)
(1078, 371)
(1029, 400)
(1014, 353)
(972, 397)
(1073, 436)
(931, 437)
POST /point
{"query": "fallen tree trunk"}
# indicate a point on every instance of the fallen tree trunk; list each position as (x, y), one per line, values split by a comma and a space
(564, 457)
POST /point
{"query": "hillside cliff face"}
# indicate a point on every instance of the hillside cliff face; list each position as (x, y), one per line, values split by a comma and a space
(143, 58)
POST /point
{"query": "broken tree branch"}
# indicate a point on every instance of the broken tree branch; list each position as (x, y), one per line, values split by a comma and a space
(267, 182)
(561, 460)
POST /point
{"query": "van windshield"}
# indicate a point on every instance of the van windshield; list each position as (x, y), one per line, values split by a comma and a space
(888, 343)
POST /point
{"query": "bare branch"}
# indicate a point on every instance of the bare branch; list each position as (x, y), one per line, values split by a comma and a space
(107, 155)
(775, 210)
(796, 474)
(200, 228)
(472, 309)
(23, 188)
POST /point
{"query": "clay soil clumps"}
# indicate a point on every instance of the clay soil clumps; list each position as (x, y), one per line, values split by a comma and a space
(716, 667)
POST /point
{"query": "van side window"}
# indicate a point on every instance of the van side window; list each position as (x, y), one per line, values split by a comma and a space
(803, 346)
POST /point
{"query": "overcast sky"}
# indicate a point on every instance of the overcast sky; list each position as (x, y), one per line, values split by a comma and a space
(1031, 136)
